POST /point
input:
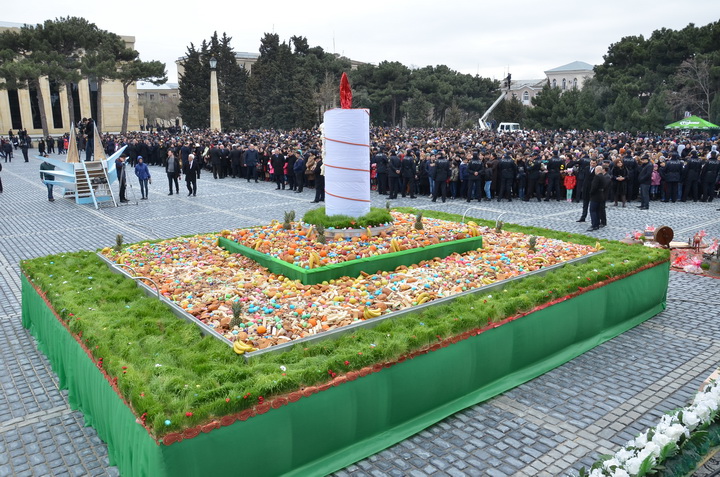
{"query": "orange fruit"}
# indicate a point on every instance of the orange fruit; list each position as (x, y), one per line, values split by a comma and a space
(261, 330)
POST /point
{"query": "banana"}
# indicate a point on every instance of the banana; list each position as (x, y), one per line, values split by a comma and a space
(241, 347)
(314, 260)
(471, 223)
(395, 245)
(598, 246)
(369, 313)
(422, 298)
(258, 242)
(473, 231)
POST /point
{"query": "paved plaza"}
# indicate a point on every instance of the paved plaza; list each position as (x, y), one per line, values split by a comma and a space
(552, 425)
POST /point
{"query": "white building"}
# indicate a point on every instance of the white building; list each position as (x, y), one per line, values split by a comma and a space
(566, 77)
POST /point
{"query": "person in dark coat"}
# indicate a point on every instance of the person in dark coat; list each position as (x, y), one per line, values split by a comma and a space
(408, 174)
(143, 174)
(534, 175)
(319, 180)
(619, 181)
(598, 194)
(190, 168)
(507, 172)
(475, 167)
(394, 169)
(631, 167)
(250, 162)
(672, 174)
(554, 167)
(216, 161)
(442, 173)
(90, 145)
(277, 161)
(709, 177)
(585, 191)
(24, 145)
(299, 171)
(381, 167)
(290, 167)
(693, 168)
(644, 180)
(235, 161)
(172, 169)
(122, 177)
(583, 172)
(45, 178)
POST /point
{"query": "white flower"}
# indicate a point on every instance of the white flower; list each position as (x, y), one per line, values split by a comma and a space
(661, 440)
(651, 448)
(596, 473)
(641, 440)
(690, 419)
(703, 411)
(633, 465)
(620, 473)
(611, 463)
(623, 455)
(675, 431)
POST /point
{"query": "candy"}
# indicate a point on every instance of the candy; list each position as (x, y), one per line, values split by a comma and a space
(206, 280)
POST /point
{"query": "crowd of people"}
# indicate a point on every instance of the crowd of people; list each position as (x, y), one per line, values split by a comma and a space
(447, 164)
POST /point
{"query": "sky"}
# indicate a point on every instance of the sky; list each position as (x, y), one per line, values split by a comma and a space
(489, 38)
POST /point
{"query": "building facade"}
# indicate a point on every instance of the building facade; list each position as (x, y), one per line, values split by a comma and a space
(566, 77)
(570, 76)
(19, 108)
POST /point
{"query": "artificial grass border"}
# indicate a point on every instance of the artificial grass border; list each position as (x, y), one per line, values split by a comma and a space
(226, 387)
(397, 398)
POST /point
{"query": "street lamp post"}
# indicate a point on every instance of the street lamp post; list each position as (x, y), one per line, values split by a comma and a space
(214, 100)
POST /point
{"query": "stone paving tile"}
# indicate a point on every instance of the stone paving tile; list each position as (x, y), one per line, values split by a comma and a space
(551, 425)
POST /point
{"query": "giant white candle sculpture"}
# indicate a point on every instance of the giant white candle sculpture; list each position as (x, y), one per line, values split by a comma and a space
(346, 156)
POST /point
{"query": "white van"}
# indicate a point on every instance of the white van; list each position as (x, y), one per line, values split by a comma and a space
(508, 127)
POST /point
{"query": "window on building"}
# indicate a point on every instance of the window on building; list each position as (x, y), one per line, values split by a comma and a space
(152, 97)
(35, 109)
(15, 115)
(163, 97)
(563, 84)
(574, 83)
(93, 90)
(55, 104)
(526, 96)
(76, 102)
(554, 83)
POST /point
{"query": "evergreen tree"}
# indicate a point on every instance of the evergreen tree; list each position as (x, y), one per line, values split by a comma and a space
(194, 85)
(194, 89)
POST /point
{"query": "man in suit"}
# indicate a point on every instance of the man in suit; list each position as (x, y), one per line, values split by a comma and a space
(585, 190)
(190, 169)
(598, 194)
(250, 161)
(409, 174)
(394, 168)
(441, 174)
(381, 162)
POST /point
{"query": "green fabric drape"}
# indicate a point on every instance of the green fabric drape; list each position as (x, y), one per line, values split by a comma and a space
(336, 427)
(371, 265)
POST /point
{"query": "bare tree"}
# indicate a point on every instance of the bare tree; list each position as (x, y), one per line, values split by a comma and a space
(692, 87)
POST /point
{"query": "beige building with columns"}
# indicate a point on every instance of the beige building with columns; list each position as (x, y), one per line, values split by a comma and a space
(19, 108)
